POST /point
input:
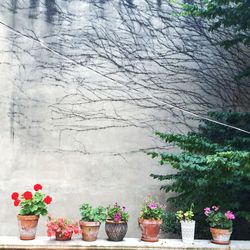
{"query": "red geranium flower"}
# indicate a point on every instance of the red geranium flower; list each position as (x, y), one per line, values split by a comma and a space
(14, 196)
(38, 187)
(16, 202)
(27, 195)
(47, 199)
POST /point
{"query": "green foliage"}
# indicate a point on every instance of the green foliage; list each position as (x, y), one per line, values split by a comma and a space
(34, 206)
(151, 209)
(228, 136)
(117, 213)
(218, 219)
(185, 215)
(170, 223)
(210, 169)
(88, 213)
(230, 15)
(227, 14)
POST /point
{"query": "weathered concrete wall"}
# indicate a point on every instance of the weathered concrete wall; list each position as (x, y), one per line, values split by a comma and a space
(80, 151)
(82, 130)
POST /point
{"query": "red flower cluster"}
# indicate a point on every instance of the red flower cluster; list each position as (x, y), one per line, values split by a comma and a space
(28, 196)
(47, 199)
(14, 197)
(38, 187)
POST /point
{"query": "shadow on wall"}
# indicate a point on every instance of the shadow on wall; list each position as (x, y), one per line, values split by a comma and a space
(51, 10)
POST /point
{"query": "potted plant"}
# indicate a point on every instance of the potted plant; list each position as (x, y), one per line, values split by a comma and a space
(221, 224)
(90, 222)
(116, 225)
(150, 219)
(187, 224)
(32, 205)
(62, 228)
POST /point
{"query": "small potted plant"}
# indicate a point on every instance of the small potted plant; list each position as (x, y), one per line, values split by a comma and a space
(116, 225)
(187, 224)
(32, 205)
(151, 219)
(91, 219)
(221, 224)
(62, 228)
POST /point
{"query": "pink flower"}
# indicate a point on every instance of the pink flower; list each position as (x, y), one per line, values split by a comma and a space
(152, 206)
(117, 217)
(123, 208)
(50, 233)
(215, 208)
(207, 211)
(60, 221)
(230, 215)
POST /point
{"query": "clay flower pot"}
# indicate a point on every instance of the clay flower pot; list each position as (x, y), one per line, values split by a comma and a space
(89, 230)
(116, 231)
(150, 229)
(220, 236)
(27, 226)
(61, 237)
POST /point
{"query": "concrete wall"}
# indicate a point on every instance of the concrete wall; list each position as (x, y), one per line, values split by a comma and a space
(79, 151)
(82, 130)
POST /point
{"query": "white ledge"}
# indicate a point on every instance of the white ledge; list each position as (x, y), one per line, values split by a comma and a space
(42, 243)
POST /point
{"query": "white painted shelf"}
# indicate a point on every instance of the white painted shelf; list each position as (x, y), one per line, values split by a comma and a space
(42, 243)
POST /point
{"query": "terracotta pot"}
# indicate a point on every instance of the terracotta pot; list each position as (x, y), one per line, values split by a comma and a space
(89, 230)
(150, 229)
(116, 231)
(27, 226)
(60, 237)
(220, 236)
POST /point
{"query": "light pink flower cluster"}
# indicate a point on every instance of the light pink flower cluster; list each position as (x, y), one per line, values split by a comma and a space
(207, 211)
(62, 227)
(230, 215)
(215, 208)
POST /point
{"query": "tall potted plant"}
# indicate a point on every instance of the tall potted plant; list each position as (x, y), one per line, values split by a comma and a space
(90, 222)
(187, 225)
(116, 225)
(61, 228)
(32, 205)
(150, 219)
(221, 224)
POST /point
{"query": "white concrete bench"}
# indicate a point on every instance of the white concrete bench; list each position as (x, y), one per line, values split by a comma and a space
(42, 243)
